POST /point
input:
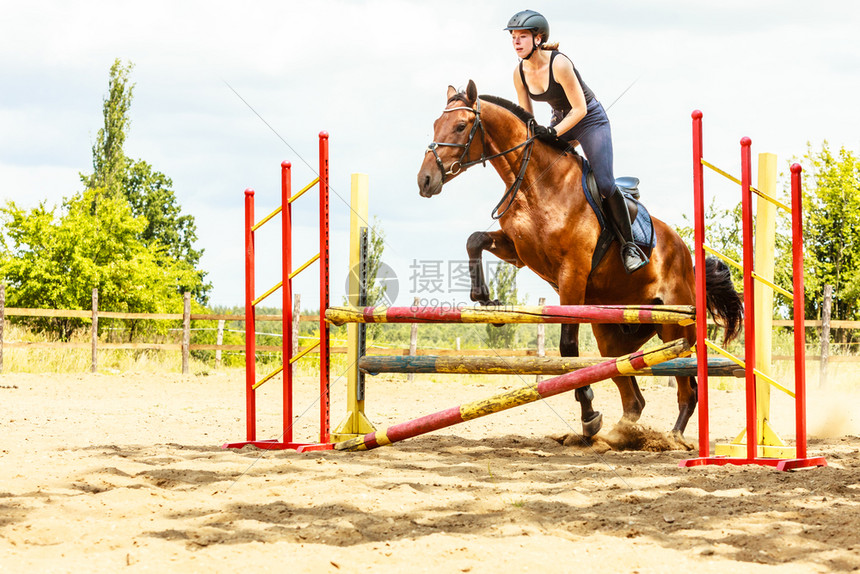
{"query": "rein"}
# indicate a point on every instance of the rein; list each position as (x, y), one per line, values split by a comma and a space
(461, 164)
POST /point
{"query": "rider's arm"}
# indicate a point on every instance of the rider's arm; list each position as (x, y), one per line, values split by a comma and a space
(562, 69)
(522, 93)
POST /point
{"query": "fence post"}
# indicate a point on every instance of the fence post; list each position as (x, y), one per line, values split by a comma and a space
(186, 331)
(94, 366)
(413, 341)
(825, 335)
(541, 338)
(219, 341)
(2, 320)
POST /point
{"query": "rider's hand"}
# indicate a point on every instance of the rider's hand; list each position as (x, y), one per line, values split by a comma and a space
(545, 131)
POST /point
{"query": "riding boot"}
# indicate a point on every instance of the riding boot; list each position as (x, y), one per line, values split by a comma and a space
(631, 255)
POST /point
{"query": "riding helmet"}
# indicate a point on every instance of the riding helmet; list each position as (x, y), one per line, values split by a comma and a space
(530, 20)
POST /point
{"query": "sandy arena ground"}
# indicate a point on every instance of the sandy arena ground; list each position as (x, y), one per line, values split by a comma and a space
(108, 473)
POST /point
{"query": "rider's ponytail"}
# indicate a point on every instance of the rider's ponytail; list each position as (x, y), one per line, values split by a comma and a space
(549, 47)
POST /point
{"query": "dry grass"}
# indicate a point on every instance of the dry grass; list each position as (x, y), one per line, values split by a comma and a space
(26, 360)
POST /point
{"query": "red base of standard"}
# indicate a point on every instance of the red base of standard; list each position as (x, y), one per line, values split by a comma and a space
(779, 463)
(278, 445)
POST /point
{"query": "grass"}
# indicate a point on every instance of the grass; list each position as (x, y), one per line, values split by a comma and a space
(24, 360)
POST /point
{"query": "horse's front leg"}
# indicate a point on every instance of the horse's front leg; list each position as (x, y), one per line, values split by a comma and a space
(568, 346)
(497, 243)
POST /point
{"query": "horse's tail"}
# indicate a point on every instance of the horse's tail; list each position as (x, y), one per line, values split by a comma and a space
(723, 301)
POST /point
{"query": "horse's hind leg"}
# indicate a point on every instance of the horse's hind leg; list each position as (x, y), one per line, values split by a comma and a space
(568, 346)
(687, 387)
(612, 342)
(687, 399)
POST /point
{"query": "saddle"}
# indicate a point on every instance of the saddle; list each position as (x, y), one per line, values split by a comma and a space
(643, 228)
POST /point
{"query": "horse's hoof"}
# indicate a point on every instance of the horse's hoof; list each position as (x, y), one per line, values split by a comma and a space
(593, 425)
(678, 437)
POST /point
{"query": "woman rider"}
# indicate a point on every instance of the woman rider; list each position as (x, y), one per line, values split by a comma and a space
(546, 75)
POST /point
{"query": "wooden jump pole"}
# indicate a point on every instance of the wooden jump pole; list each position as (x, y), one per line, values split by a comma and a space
(667, 314)
(684, 367)
(517, 397)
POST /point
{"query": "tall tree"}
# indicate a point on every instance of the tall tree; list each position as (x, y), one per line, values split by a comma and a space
(109, 161)
(831, 229)
(150, 195)
(149, 192)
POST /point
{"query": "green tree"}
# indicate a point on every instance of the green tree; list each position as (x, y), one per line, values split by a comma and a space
(723, 233)
(109, 161)
(148, 192)
(53, 260)
(831, 229)
(377, 287)
(503, 287)
(150, 195)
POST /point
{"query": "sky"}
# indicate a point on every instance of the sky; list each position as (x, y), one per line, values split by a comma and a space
(224, 92)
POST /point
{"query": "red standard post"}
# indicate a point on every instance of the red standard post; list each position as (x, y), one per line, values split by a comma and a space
(250, 327)
(325, 424)
(287, 297)
(701, 294)
(749, 298)
(799, 311)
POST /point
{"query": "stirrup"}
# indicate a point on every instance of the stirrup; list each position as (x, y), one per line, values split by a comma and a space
(632, 257)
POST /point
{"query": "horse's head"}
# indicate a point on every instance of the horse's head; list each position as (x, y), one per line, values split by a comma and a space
(455, 143)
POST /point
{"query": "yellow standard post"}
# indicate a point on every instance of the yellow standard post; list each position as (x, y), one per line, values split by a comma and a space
(355, 424)
(770, 445)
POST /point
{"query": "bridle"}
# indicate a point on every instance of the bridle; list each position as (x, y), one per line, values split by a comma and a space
(462, 164)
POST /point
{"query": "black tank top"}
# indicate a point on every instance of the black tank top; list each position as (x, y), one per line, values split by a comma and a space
(554, 94)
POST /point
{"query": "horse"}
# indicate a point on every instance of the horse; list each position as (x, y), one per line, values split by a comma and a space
(547, 225)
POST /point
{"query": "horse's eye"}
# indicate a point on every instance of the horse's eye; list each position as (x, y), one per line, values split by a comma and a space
(461, 126)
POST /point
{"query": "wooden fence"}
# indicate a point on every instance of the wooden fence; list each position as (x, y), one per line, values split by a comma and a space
(186, 317)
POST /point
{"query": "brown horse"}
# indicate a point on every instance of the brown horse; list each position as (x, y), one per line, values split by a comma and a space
(548, 226)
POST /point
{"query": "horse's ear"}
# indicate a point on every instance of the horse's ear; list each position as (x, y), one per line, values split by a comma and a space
(452, 91)
(472, 92)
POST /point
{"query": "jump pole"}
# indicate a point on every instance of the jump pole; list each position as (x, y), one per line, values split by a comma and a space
(614, 367)
(498, 365)
(571, 314)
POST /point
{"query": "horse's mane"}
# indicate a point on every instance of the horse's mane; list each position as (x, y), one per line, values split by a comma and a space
(526, 117)
(518, 111)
